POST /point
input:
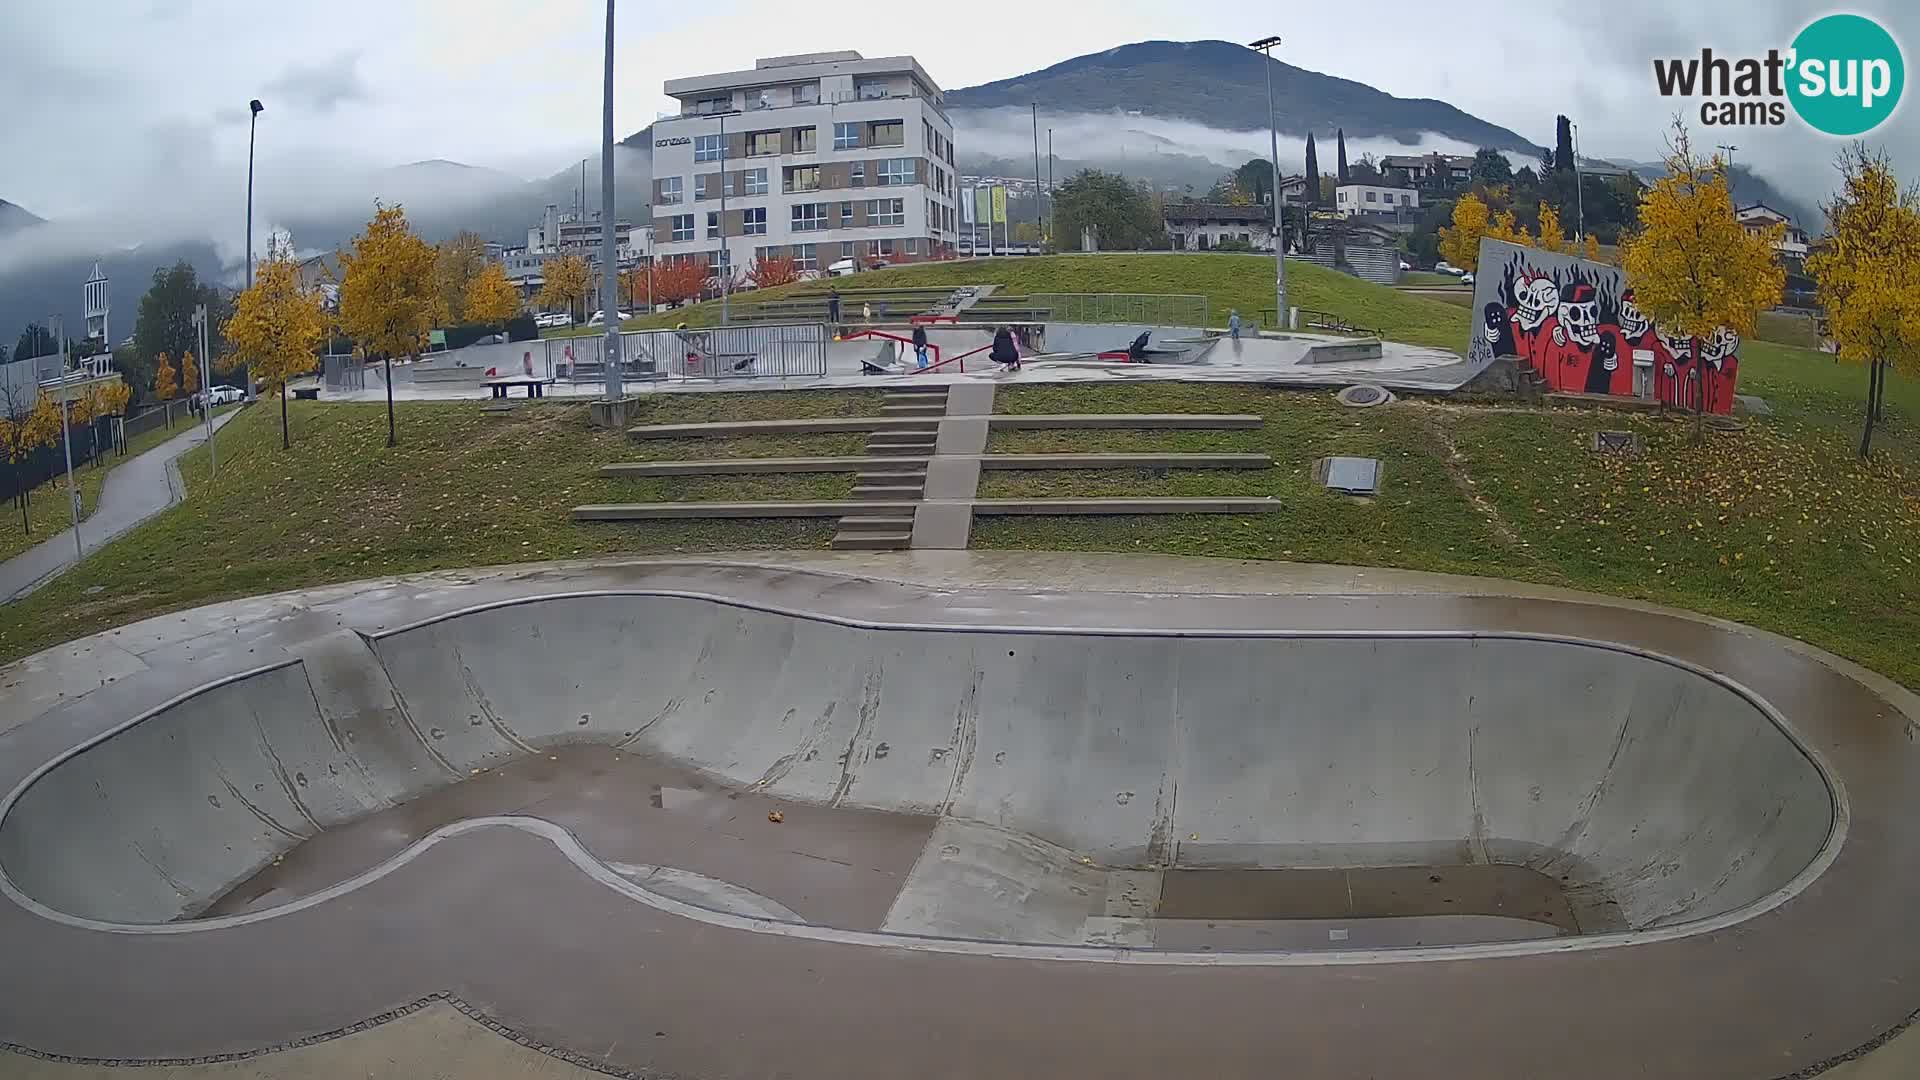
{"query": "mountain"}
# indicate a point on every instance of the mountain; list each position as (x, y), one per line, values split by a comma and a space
(15, 217)
(1223, 85)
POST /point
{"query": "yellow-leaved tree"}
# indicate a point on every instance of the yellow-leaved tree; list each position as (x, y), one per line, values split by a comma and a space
(276, 327)
(1593, 248)
(567, 281)
(1867, 274)
(491, 299)
(1552, 237)
(189, 374)
(165, 379)
(1692, 266)
(389, 292)
(457, 262)
(1505, 228)
(1460, 244)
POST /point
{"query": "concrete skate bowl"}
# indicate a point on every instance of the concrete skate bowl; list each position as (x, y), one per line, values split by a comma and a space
(1158, 791)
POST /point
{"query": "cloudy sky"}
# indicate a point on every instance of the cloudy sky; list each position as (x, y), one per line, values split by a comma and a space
(137, 107)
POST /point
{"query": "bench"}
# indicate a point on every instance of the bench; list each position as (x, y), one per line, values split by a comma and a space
(535, 387)
(306, 393)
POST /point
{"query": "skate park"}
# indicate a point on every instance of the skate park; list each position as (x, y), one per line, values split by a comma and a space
(923, 811)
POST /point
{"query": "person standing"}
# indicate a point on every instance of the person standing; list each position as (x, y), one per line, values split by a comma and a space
(1233, 323)
(866, 311)
(833, 307)
(920, 346)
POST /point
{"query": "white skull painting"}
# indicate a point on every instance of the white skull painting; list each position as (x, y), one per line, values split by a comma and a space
(1579, 314)
(1539, 297)
(1717, 346)
(1633, 322)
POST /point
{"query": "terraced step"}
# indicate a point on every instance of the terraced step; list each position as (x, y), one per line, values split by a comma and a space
(902, 438)
(882, 523)
(938, 409)
(874, 541)
(901, 492)
(1125, 421)
(673, 511)
(903, 478)
(914, 451)
(813, 426)
(744, 466)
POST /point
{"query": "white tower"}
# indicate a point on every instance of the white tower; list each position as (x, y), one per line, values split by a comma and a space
(94, 293)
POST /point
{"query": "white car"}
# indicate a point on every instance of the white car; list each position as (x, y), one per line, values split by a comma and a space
(227, 395)
(600, 317)
(1445, 267)
(1466, 279)
(552, 319)
(1405, 265)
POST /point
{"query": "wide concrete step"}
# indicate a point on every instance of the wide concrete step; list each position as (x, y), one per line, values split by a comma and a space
(745, 466)
(891, 479)
(1125, 461)
(824, 425)
(1145, 421)
(903, 492)
(931, 390)
(877, 523)
(902, 438)
(936, 410)
(915, 451)
(1002, 507)
(874, 541)
(671, 511)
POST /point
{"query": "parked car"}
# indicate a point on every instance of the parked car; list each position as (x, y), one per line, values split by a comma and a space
(1404, 265)
(1445, 267)
(599, 317)
(842, 268)
(1466, 279)
(221, 395)
(552, 319)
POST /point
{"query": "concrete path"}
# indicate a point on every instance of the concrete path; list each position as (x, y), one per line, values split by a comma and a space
(136, 489)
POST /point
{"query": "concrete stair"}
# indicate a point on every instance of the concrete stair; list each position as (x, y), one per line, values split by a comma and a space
(917, 411)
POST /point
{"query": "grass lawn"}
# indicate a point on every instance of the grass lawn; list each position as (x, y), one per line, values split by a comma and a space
(1244, 282)
(1427, 277)
(462, 489)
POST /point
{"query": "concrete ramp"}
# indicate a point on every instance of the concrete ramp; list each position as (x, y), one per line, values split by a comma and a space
(1057, 762)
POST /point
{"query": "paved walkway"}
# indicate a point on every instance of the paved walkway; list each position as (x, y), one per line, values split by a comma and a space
(135, 490)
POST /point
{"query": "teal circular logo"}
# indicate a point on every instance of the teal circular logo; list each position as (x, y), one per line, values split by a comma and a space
(1847, 74)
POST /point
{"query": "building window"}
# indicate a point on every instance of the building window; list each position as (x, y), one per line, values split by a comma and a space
(1370, 196)
(870, 90)
(713, 104)
(857, 174)
(753, 220)
(846, 249)
(713, 224)
(683, 227)
(706, 148)
(894, 171)
(806, 93)
(846, 136)
(886, 211)
(911, 247)
(803, 139)
(719, 257)
(806, 257)
(809, 217)
(756, 181)
(1406, 200)
(878, 248)
(670, 189)
(888, 133)
(802, 178)
(763, 143)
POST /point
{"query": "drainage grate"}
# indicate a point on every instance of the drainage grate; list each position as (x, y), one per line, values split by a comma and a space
(1364, 396)
(1616, 442)
(1353, 475)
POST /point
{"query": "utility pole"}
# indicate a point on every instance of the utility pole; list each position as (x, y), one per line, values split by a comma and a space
(1264, 47)
(1579, 196)
(66, 435)
(254, 109)
(1729, 149)
(1039, 198)
(726, 264)
(609, 252)
(1049, 230)
(206, 398)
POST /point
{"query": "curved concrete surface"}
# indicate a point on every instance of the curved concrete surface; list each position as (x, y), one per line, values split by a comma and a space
(1771, 914)
(1644, 785)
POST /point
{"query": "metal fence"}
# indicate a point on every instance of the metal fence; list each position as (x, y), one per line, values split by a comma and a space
(343, 372)
(778, 351)
(1143, 309)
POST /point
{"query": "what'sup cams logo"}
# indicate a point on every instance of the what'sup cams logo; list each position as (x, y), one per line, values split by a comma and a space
(1842, 75)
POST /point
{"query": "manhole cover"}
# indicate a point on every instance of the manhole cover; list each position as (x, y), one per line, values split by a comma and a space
(1365, 396)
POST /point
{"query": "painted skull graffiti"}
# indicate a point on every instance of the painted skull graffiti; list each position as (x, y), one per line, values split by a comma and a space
(1716, 347)
(1538, 299)
(1633, 322)
(1579, 314)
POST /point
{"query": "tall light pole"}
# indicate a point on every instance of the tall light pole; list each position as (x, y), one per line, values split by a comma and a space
(254, 108)
(1264, 47)
(199, 321)
(1039, 196)
(726, 264)
(66, 437)
(1729, 149)
(609, 252)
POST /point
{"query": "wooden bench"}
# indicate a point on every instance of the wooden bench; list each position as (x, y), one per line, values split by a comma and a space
(501, 386)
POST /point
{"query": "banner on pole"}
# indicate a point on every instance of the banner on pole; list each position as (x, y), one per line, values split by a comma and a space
(1000, 203)
(968, 200)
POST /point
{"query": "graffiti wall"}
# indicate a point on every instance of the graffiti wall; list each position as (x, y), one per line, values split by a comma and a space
(1575, 322)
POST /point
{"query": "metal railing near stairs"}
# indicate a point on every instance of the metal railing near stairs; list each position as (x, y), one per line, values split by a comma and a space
(766, 351)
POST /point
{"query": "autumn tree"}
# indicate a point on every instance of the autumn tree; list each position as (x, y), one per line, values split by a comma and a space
(1593, 248)
(783, 270)
(165, 379)
(1692, 266)
(1552, 238)
(388, 297)
(679, 282)
(458, 263)
(1473, 221)
(637, 284)
(276, 327)
(1868, 274)
(189, 375)
(20, 435)
(567, 281)
(490, 299)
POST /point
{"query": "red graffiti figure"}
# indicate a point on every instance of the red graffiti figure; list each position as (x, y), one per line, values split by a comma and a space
(1533, 323)
(1719, 367)
(1584, 360)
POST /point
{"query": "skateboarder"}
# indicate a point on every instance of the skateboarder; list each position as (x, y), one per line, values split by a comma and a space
(1233, 323)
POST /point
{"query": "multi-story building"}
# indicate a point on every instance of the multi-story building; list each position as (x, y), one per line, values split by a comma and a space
(567, 234)
(1792, 245)
(1352, 199)
(822, 157)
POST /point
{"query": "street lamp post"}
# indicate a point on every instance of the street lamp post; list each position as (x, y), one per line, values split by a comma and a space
(1264, 47)
(609, 249)
(199, 321)
(726, 264)
(254, 109)
(66, 436)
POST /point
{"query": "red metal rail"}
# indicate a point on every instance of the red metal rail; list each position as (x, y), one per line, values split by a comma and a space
(935, 349)
(961, 360)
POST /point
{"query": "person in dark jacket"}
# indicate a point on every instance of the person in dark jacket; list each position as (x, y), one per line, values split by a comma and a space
(833, 307)
(920, 346)
(1004, 351)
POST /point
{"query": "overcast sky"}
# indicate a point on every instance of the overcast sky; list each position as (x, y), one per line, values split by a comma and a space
(116, 105)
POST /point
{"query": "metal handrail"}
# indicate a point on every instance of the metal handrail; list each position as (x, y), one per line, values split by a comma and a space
(962, 359)
(871, 333)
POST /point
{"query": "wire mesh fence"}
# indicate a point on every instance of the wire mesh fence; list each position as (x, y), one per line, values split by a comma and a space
(768, 351)
(1144, 309)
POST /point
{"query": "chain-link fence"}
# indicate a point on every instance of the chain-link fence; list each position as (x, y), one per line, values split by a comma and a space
(1143, 309)
(778, 351)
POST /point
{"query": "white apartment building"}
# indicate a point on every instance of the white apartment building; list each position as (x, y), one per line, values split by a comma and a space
(1351, 199)
(821, 157)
